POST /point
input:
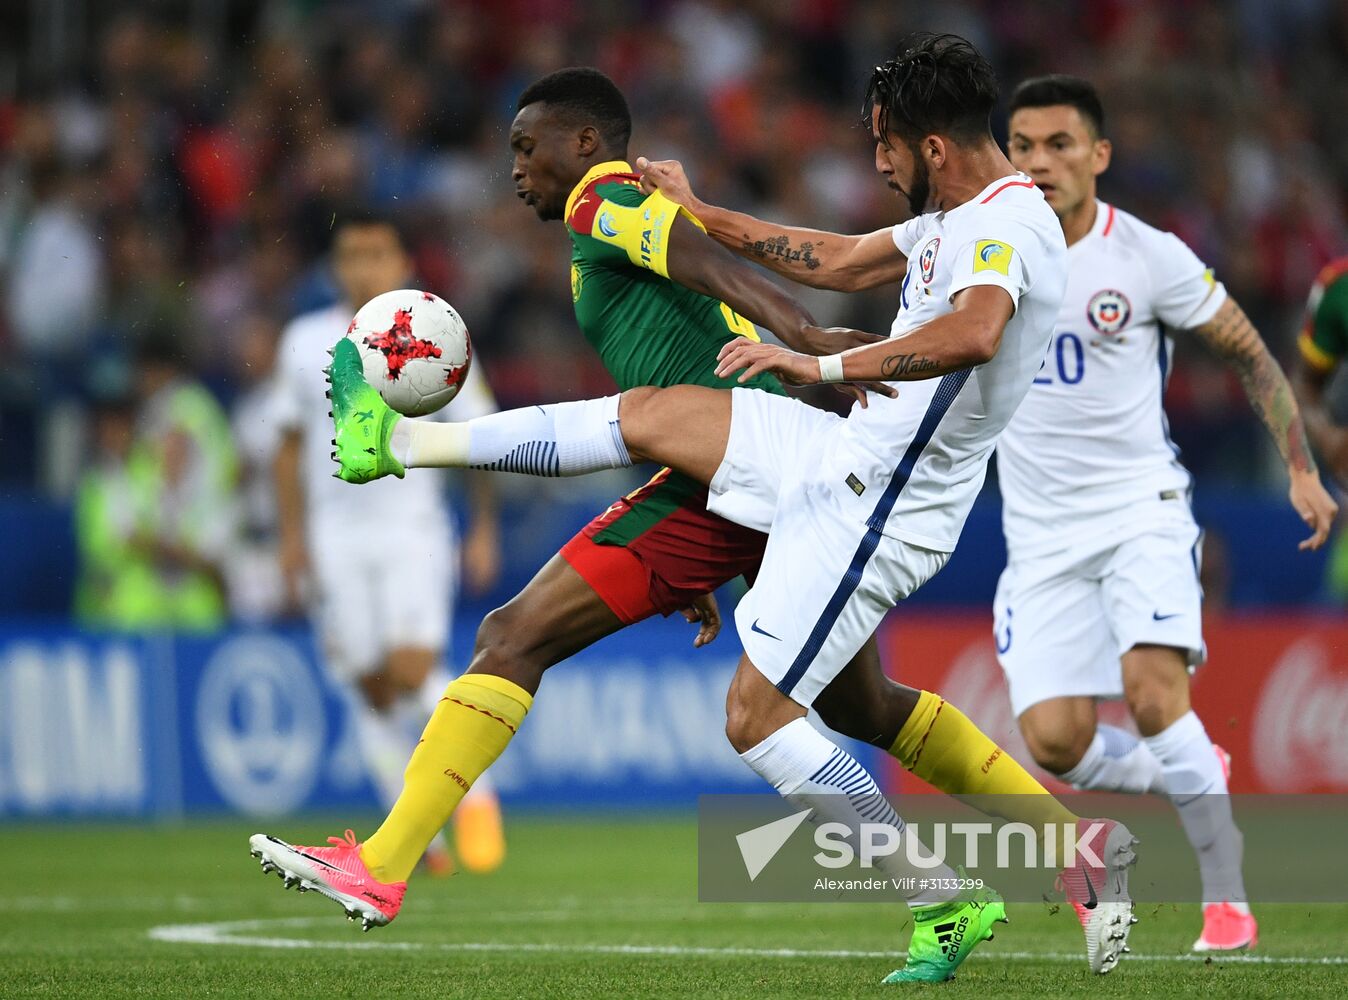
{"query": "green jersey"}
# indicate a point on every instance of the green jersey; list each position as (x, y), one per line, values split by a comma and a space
(647, 329)
(1324, 337)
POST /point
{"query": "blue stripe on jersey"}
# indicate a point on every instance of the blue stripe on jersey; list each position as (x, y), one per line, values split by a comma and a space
(946, 392)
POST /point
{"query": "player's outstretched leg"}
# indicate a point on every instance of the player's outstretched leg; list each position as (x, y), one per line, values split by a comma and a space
(684, 427)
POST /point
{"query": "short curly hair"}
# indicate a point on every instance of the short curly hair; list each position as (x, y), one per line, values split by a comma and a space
(936, 85)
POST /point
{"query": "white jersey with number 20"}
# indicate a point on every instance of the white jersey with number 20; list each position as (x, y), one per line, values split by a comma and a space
(1090, 439)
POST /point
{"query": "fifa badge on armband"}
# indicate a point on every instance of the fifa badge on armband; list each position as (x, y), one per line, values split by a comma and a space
(993, 255)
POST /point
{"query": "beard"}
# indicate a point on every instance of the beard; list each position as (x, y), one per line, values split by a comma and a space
(920, 193)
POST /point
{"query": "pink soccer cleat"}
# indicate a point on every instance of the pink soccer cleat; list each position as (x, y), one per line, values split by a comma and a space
(337, 872)
(1226, 928)
(1099, 894)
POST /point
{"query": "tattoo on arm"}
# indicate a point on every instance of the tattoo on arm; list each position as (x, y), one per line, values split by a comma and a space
(1232, 336)
(907, 364)
(779, 249)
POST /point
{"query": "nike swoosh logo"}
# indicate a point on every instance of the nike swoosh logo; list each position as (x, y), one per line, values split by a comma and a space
(754, 628)
(1091, 903)
(1156, 616)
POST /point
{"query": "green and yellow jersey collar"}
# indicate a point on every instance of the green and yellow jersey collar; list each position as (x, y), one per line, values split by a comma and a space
(595, 172)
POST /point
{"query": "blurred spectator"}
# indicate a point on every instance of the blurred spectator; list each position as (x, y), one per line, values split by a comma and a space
(192, 469)
(118, 587)
(190, 178)
(252, 567)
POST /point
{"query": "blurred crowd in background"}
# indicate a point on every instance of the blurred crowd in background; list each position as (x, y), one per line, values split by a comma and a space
(170, 172)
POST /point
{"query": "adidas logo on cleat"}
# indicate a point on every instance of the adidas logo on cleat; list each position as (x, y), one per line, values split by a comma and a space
(950, 936)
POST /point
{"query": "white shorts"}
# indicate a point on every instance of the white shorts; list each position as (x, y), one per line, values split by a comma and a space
(381, 587)
(827, 579)
(1062, 621)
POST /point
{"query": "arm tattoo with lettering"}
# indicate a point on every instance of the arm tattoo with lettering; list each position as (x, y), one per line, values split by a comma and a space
(779, 249)
(907, 364)
(1233, 337)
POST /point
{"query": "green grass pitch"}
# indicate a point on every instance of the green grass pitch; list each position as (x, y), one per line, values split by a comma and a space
(584, 908)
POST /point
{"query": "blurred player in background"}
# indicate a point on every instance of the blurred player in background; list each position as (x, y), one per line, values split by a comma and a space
(378, 569)
(570, 142)
(1323, 343)
(1100, 597)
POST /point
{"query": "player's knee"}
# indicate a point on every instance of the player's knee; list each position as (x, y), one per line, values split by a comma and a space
(1155, 704)
(638, 416)
(505, 647)
(1060, 749)
(743, 726)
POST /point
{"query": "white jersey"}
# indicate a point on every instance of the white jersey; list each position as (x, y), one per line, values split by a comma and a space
(1091, 437)
(300, 404)
(912, 466)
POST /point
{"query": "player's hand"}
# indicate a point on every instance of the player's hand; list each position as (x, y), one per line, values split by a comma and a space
(668, 178)
(823, 340)
(751, 358)
(481, 559)
(1317, 508)
(704, 609)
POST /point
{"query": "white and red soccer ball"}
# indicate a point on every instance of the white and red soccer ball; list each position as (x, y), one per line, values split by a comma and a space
(414, 349)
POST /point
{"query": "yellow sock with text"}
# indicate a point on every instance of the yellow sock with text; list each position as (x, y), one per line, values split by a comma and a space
(474, 721)
(944, 748)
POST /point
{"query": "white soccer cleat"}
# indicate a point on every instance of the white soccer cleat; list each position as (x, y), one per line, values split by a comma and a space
(1099, 895)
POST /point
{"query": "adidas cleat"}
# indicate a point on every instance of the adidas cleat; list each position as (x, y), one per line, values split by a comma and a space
(1226, 928)
(1099, 893)
(362, 419)
(945, 934)
(337, 872)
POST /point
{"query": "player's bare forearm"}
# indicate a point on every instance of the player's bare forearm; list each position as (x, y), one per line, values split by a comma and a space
(1232, 336)
(969, 336)
(697, 262)
(808, 256)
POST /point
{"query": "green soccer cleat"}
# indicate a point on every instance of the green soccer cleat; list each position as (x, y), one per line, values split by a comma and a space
(945, 934)
(362, 419)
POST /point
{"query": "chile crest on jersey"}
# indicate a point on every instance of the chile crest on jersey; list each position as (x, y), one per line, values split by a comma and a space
(1109, 311)
(926, 260)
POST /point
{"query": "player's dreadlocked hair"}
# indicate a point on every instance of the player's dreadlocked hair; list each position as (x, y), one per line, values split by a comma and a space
(587, 97)
(938, 84)
(1058, 89)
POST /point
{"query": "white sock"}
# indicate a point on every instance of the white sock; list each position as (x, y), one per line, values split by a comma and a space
(1117, 761)
(560, 439)
(811, 771)
(1196, 785)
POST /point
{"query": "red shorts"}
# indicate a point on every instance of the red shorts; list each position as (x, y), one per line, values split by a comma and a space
(658, 548)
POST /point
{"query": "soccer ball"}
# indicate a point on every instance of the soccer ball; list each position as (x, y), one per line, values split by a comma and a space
(414, 348)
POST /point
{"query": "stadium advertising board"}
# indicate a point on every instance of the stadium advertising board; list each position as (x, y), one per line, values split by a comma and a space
(1274, 692)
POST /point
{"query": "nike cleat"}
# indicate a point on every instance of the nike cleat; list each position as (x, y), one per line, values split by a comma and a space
(1226, 928)
(363, 421)
(945, 934)
(337, 872)
(1099, 893)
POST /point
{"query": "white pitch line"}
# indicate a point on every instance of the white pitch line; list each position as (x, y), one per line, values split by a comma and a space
(229, 932)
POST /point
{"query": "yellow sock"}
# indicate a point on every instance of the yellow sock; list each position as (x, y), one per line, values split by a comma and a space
(478, 715)
(941, 746)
